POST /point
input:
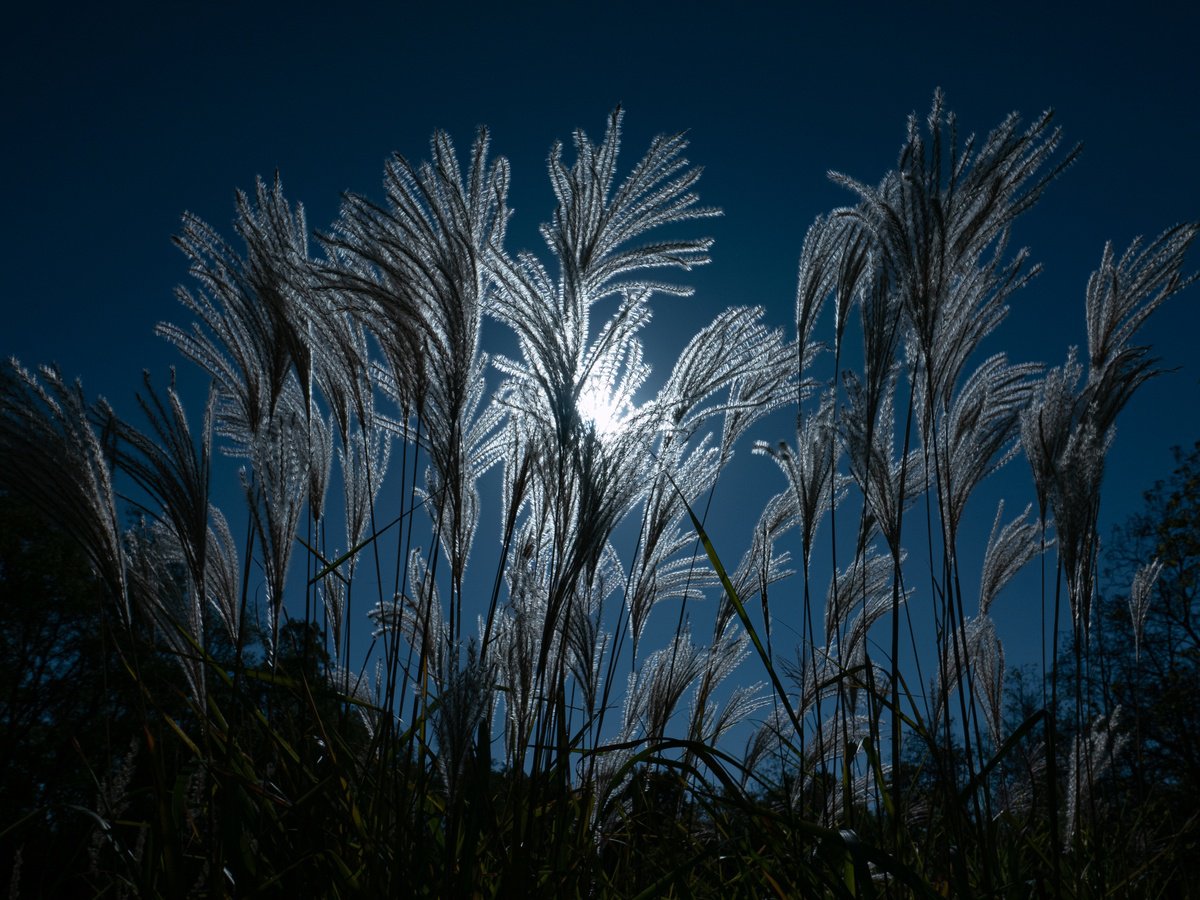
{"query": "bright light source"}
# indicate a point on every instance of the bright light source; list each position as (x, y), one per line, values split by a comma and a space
(597, 406)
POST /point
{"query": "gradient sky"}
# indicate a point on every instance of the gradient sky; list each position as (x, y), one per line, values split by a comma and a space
(121, 117)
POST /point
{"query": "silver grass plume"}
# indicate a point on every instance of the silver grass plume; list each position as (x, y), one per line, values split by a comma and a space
(588, 476)
(332, 591)
(464, 704)
(279, 274)
(1121, 295)
(761, 566)
(222, 576)
(1075, 502)
(564, 397)
(1008, 550)
(594, 225)
(881, 314)
(254, 338)
(51, 454)
(173, 468)
(112, 800)
(889, 483)
(608, 476)
(710, 723)
(866, 585)
(251, 336)
(338, 338)
(979, 433)
(864, 788)
(1140, 594)
(515, 649)
(590, 236)
(587, 641)
(320, 456)
(769, 387)
(816, 673)
(730, 647)
(986, 655)
(162, 590)
(735, 353)
(364, 463)
(418, 267)
(463, 683)
(940, 224)
(1046, 425)
(833, 260)
(838, 740)
(1067, 433)
(655, 689)
(1066, 452)
(659, 572)
(455, 509)
(588, 479)
(983, 654)
(417, 617)
(866, 580)
(365, 692)
(765, 741)
(810, 470)
(276, 488)
(852, 647)
(1094, 752)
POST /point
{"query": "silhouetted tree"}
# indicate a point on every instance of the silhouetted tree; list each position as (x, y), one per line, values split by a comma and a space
(1144, 659)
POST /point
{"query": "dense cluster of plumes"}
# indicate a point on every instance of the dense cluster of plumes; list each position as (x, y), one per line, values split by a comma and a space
(365, 358)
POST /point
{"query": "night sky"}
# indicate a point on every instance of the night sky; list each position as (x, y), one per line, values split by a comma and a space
(118, 118)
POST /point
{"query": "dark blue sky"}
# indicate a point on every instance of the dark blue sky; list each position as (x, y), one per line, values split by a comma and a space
(119, 118)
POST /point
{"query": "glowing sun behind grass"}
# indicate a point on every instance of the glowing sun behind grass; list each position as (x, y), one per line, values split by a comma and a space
(601, 409)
